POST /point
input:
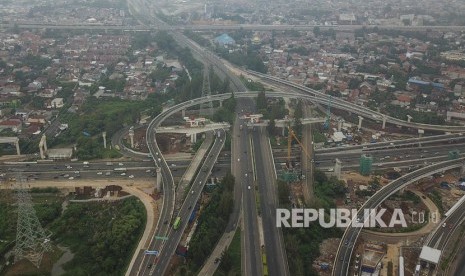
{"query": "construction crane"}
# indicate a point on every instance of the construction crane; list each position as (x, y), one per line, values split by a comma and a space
(291, 135)
(327, 123)
(289, 175)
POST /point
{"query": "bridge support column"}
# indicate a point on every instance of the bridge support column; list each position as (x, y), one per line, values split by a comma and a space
(420, 132)
(131, 136)
(337, 168)
(183, 113)
(462, 169)
(43, 146)
(409, 118)
(193, 138)
(339, 125)
(158, 187)
(282, 131)
(384, 122)
(213, 180)
(104, 135)
(18, 152)
(360, 119)
(221, 103)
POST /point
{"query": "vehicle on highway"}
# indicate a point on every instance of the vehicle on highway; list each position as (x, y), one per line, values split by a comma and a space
(192, 192)
(107, 173)
(109, 164)
(248, 187)
(123, 174)
(71, 178)
(69, 167)
(176, 223)
(131, 176)
(99, 173)
(120, 164)
(147, 171)
(76, 172)
(173, 165)
(66, 175)
(119, 169)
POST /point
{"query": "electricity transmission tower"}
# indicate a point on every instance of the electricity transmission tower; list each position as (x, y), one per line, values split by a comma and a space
(206, 109)
(31, 240)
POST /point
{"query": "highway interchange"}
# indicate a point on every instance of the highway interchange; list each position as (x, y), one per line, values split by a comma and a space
(250, 154)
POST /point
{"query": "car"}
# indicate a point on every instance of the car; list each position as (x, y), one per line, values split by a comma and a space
(123, 174)
(217, 260)
(107, 173)
(159, 159)
(173, 165)
(66, 175)
(147, 171)
(131, 176)
(99, 173)
(69, 167)
(444, 224)
(248, 187)
(330, 169)
(149, 266)
(346, 242)
(192, 192)
(120, 164)
(76, 172)
(71, 178)
(238, 159)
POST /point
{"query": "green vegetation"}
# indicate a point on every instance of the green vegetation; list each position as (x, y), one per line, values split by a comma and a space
(390, 269)
(302, 244)
(437, 199)
(226, 113)
(251, 59)
(406, 196)
(231, 258)
(452, 253)
(252, 85)
(102, 236)
(211, 223)
(273, 109)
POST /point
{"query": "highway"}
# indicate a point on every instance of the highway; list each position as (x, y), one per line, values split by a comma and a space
(168, 248)
(266, 182)
(224, 27)
(365, 112)
(440, 238)
(345, 249)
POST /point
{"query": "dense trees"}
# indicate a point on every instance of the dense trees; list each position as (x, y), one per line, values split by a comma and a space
(212, 223)
(302, 244)
(101, 235)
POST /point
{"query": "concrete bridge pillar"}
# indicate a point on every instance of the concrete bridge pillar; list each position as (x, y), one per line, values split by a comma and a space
(339, 125)
(409, 118)
(131, 136)
(18, 152)
(337, 168)
(104, 135)
(183, 113)
(43, 146)
(420, 132)
(193, 138)
(213, 180)
(282, 131)
(221, 103)
(384, 122)
(360, 119)
(159, 179)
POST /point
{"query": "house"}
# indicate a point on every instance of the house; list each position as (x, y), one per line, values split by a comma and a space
(57, 103)
(14, 124)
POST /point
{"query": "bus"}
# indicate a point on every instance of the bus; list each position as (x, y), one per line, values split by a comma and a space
(176, 223)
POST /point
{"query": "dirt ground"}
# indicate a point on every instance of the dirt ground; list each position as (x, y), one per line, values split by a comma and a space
(328, 249)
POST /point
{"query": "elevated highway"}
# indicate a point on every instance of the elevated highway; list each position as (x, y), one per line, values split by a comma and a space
(365, 112)
(345, 249)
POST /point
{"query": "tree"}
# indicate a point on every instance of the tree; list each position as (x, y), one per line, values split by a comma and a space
(261, 101)
(271, 126)
(316, 31)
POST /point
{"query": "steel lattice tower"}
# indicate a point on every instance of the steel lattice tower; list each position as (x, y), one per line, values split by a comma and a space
(31, 240)
(206, 109)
